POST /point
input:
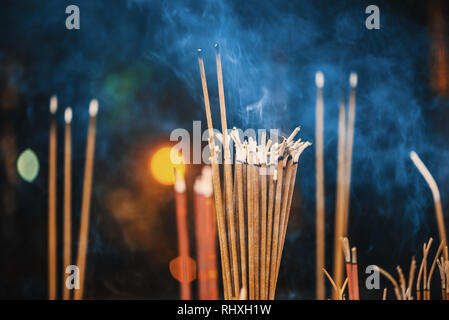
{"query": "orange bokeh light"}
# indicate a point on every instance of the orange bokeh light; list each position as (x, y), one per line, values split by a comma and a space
(162, 166)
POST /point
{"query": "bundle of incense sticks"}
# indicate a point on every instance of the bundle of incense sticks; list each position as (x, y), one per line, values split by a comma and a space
(85, 204)
(205, 237)
(253, 213)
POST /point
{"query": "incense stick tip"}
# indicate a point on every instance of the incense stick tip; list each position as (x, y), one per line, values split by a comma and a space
(93, 107)
(68, 115)
(319, 79)
(353, 79)
(53, 104)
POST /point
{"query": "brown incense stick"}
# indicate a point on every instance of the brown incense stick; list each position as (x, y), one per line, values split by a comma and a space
(250, 205)
(219, 209)
(275, 239)
(271, 193)
(319, 158)
(401, 281)
(52, 201)
(355, 274)
(347, 254)
(339, 208)
(67, 200)
(435, 193)
(256, 200)
(434, 263)
(392, 280)
(240, 159)
(384, 296)
(85, 202)
(227, 175)
(421, 268)
(348, 149)
(411, 274)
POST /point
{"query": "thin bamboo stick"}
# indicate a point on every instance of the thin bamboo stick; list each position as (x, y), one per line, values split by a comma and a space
(392, 280)
(228, 176)
(219, 209)
(67, 200)
(256, 199)
(319, 158)
(86, 198)
(434, 263)
(339, 214)
(52, 245)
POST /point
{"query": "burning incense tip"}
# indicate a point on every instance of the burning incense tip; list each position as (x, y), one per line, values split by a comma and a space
(53, 104)
(353, 79)
(217, 47)
(180, 183)
(93, 108)
(426, 174)
(319, 79)
(68, 115)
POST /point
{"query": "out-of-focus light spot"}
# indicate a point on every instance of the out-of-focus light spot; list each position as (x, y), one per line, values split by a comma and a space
(28, 165)
(162, 167)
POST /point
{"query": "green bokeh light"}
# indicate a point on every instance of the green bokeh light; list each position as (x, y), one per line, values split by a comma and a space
(28, 165)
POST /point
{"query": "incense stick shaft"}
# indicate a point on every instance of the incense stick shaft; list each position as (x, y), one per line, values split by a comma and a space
(85, 207)
(67, 206)
(52, 212)
(320, 222)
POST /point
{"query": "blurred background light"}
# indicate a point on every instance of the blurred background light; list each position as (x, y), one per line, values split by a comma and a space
(28, 165)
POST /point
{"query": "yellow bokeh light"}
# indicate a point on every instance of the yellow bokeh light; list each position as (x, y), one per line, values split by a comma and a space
(162, 167)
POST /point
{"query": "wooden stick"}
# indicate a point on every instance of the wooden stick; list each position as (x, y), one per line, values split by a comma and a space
(228, 175)
(212, 286)
(389, 277)
(421, 268)
(434, 263)
(283, 218)
(355, 274)
(348, 147)
(338, 290)
(256, 199)
(442, 277)
(67, 200)
(250, 205)
(411, 274)
(271, 193)
(275, 240)
(401, 281)
(219, 209)
(339, 209)
(183, 235)
(384, 296)
(52, 236)
(319, 159)
(347, 254)
(85, 202)
(263, 251)
(435, 193)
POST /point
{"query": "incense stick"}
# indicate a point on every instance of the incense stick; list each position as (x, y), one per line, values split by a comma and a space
(227, 174)
(347, 254)
(86, 198)
(434, 263)
(52, 255)
(421, 268)
(355, 274)
(435, 193)
(320, 217)
(411, 274)
(67, 199)
(275, 239)
(401, 281)
(263, 210)
(250, 213)
(219, 209)
(392, 280)
(271, 192)
(348, 147)
(240, 159)
(384, 296)
(183, 237)
(339, 208)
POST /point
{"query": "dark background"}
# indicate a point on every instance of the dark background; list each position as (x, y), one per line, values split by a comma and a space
(138, 58)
